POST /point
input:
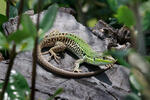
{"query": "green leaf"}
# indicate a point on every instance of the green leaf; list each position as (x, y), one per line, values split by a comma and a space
(3, 41)
(132, 96)
(13, 12)
(28, 30)
(146, 21)
(31, 2)
(2, 20)
(25, 5)
(113, 4)
(18, 88)
(3, 7)
(59, 91)
(134, 83)
(26, 45)
(28, 26)
(120, 56)
(125, 16)
(44, 4)
(49, 18)
(92, 22)
(145, 6)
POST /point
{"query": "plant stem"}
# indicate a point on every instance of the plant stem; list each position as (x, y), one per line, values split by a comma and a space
(20, 12)
(32, 95)
(7, 8)
(140, 39)
(13, 51)
(12, 57)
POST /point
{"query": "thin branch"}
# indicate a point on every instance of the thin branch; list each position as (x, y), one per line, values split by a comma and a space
(13, 52)
(20, 12)
(12, 57)
(140, 39)
(7, 8)
(32, 96)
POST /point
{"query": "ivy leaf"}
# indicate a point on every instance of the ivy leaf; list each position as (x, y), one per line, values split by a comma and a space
(125, 16)
(18, 88)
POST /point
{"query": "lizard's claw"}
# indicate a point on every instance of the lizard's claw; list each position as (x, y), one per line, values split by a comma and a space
(109, 65)
(77, 70)
(55, 57)
(44, 53)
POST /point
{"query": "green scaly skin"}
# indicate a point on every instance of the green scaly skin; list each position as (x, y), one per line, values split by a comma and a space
(61, 41)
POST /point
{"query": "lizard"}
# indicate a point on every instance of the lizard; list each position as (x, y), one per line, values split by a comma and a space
(59, 41)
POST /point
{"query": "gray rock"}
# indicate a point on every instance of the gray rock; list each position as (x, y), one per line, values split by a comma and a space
(113, 84)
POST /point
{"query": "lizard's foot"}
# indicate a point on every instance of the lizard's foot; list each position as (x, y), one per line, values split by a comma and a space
(77, 70)
(55, 57)
(109, 65)
(44, 53)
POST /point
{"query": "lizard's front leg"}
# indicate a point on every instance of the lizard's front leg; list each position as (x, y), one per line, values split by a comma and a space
(58, 47)
(77, 65)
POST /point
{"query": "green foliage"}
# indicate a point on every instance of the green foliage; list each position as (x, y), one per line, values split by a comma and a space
(2, 7)
(136, 87)
(59, 91)
(132, 96)
(13, 11)
(115, 4)
(120, 56)
(24, 37)
(125, 16)
(146, 21)
(49, 18)
(18, 88)
(2, 20)
(3, 41)
(92, 22)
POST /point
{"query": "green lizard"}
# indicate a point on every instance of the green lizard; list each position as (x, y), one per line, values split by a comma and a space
(61, 41)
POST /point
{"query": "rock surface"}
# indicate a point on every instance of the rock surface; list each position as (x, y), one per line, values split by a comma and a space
(113, 84)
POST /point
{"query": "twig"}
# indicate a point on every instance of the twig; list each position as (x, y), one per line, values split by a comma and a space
(7, 8)
(140, 36)
(20, 12)
(12, 57)
(13, 54)
(32, 96)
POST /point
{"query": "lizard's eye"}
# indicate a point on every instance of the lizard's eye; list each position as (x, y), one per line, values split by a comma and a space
(46, 36)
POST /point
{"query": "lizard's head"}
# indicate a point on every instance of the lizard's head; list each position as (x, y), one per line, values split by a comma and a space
(100, 60)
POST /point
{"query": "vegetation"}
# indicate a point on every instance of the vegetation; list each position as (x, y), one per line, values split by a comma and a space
(135, 14)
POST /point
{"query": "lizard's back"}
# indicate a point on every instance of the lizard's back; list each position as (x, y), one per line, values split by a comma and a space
(75, 44)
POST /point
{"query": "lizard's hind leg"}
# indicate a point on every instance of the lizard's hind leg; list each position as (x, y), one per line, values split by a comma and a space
(58, 47)
(77, 65)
